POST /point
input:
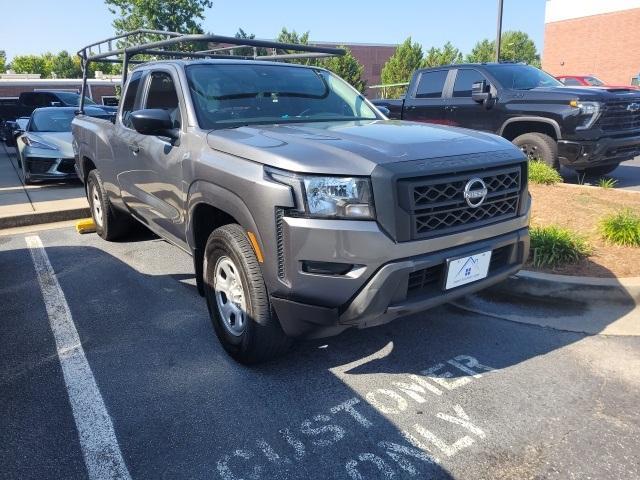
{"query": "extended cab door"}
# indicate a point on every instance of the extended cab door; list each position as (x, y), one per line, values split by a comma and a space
(463, 111)
(152, 185)
(424, 101)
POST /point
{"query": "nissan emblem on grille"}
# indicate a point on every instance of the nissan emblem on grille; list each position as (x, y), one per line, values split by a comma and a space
(475, 191)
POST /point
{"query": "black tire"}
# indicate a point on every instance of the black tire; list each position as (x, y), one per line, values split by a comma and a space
(113, 223)
(261, 337)
(599, 171)
(538, 146)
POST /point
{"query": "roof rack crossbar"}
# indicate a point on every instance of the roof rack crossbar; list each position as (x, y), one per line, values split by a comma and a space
(177, 38)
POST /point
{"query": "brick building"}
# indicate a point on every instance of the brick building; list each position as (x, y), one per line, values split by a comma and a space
(372, 56)
(596, 37)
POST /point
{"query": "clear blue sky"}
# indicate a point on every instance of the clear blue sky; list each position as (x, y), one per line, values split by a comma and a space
(37, 26)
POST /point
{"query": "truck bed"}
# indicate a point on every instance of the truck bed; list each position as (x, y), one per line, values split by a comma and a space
(394, 106)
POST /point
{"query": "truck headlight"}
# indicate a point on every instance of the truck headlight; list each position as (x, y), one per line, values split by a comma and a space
(588, 113)
(322, 196)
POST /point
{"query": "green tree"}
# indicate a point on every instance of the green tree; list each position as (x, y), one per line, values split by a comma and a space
(291, 36)
(174, 16)
(64, 65)
(447, 55)
(400, 67)
(348, 68)
(32, 64)
(515, 46)
(3, 61)
(483, 51)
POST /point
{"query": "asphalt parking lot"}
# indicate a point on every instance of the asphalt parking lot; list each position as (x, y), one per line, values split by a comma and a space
(447, 394)
(627, 175)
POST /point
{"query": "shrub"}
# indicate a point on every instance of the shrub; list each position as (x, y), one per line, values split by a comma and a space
(554, 246)
(607, 182)
(622, 228)
(540, 172)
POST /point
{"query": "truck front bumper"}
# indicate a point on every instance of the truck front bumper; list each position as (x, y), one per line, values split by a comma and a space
(581, 154)
(392, 291)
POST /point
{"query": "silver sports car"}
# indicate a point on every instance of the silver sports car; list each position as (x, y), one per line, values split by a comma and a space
(45, 149)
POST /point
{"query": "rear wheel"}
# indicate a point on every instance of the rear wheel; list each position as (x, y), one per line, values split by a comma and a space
(237, 298)
(540, 147)
(600, 170)
(111, 224)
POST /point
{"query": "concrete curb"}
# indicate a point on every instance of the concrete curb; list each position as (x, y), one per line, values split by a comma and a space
(37, 218)
(596, 306)
(578, 280)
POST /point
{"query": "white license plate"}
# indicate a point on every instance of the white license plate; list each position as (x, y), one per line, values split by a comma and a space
(467, 269)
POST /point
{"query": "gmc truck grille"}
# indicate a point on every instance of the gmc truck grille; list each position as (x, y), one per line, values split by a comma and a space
(437, 206)
(621, 115)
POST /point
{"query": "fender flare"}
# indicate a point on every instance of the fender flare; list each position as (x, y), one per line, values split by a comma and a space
(203, 192)
(548, 121)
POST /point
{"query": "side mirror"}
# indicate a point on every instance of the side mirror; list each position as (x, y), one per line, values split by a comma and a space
(481, 91)
(154, 121)
(383, 110)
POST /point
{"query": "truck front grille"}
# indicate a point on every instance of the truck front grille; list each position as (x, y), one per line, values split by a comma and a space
(436, 205)
(621, 115)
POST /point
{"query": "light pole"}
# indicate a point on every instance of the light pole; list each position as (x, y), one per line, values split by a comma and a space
(499, 32)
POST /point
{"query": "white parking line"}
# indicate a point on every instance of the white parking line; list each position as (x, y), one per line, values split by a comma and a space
(100, 448)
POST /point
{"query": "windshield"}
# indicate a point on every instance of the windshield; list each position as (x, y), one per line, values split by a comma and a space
(52, 120)
(594, 82)
(72, 99)
(228, 95)
(522, 77)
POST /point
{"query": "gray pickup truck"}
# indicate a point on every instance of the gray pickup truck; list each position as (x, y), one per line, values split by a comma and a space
(306, 211)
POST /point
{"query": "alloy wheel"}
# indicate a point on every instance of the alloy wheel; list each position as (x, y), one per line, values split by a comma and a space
(531, 151)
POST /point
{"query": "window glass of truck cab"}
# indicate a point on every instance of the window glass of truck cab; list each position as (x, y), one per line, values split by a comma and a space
(431, 84)
(162, 95)
(245, 93)
(465, 79)
(129, 100)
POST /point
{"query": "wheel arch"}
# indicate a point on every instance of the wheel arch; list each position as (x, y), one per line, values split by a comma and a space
(514, 127)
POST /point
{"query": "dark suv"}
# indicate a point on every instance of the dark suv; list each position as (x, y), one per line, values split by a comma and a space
(589, 129)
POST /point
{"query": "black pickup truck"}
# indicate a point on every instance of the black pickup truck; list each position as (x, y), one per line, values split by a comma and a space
(27, 102)
(588, 129)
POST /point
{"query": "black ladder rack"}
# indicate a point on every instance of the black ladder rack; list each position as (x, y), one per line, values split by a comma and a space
(123, 48)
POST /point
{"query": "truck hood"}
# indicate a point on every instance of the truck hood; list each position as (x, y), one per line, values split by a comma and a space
(352, 148)
(596, 94)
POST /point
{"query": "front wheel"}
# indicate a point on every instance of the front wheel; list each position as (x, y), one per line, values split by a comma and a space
(237, 298)
(540, 147)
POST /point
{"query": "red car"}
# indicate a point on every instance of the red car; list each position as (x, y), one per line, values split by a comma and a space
(589, 81)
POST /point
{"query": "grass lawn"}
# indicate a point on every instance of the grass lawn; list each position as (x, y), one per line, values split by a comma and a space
(580, 209)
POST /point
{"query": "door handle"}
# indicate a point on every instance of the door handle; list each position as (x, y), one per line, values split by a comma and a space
(134, 148)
